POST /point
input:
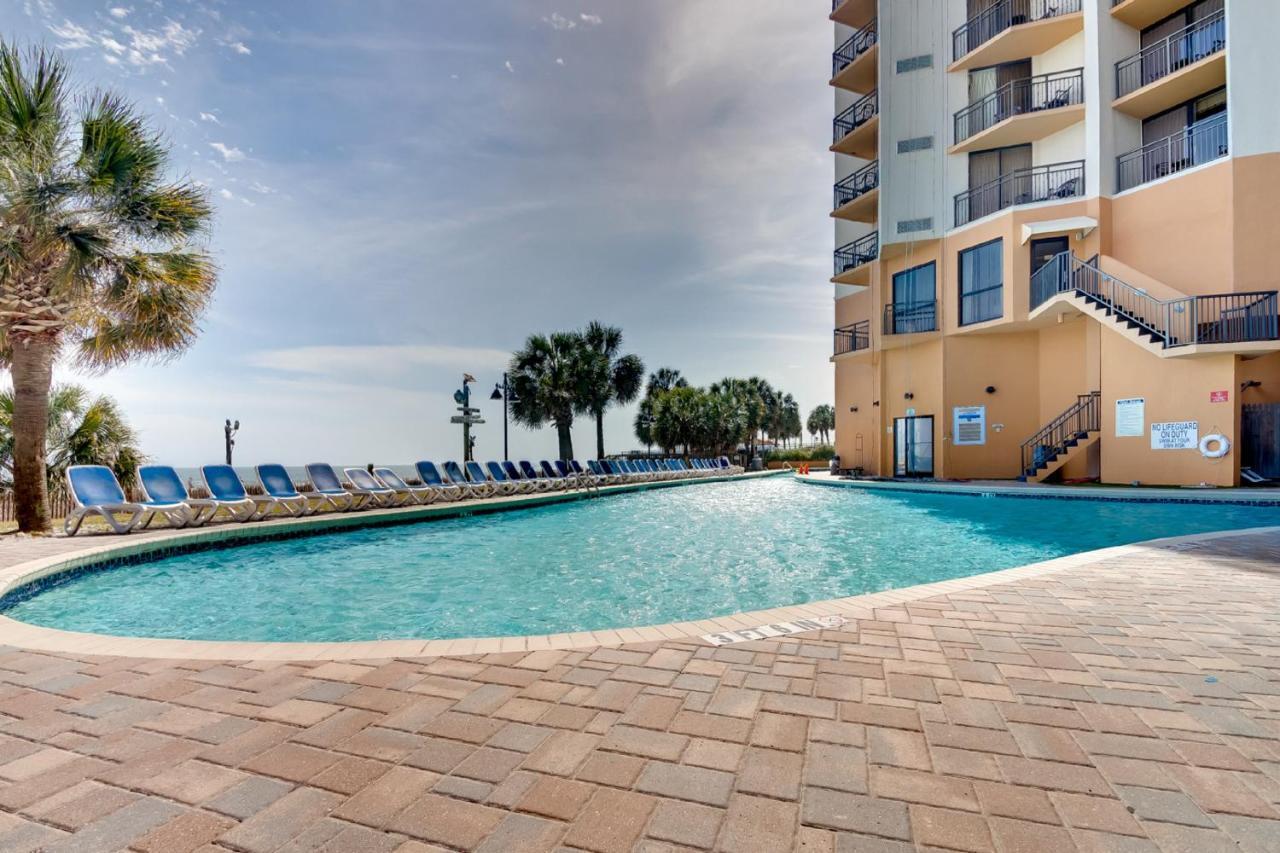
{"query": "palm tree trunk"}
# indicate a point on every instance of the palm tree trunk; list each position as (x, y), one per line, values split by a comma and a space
(32, 370)
(599, 435)
(566, 439)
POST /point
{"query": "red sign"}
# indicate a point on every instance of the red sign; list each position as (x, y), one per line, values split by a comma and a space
(1217, 396)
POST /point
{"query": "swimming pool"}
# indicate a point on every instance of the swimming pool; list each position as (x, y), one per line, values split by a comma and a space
(619, 561)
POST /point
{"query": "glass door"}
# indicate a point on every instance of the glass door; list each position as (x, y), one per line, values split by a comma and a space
(913, 446)
(1043, 251)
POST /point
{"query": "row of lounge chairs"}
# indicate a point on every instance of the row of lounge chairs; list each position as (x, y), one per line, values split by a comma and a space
(96, 491)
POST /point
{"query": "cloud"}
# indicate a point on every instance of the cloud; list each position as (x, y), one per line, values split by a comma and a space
(369, 359)
(72, 36)
(240, 48)
(150, 47)
(559, 61)
(230, 196)
(229, 153)
(559, 22)
(507, 65)
(118, 12)
(209, 117)
(111, 44)
(261, 188)
(591, 20)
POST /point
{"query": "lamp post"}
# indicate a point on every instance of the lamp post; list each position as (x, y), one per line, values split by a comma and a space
(230, 431)
(646, 421)
(502, 391)
(468, 417)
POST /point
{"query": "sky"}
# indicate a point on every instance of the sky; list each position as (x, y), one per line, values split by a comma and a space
(405, 191)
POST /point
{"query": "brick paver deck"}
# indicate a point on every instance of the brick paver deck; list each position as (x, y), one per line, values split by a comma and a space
(1133, 705)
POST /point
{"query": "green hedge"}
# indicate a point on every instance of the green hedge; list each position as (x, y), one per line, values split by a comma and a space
(817, 453)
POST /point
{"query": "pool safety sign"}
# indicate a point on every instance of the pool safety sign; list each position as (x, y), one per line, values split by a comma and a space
(1175, 435)
(776, 629)
(1131, 417)
(969, 425)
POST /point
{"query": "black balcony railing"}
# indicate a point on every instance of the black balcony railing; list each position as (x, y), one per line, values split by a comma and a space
(854, 337)
(908, 318)
(1202, 142)
(1022, 186)
(854, 117)
(991, 22)
(858, 184)
(1220, 318)
(1190, 44)
(859, 252)
(853, 47)
(1019, 97)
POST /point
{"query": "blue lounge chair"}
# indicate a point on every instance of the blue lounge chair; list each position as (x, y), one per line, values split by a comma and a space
(418, 494)
(325, 480)
(470, 488)
(477, 475)
(554, 480)
(96, 491)
(162, 485)
(379, 494)
(499, 477)
(530, 484)
(428, 474)
(277, 483)
(225, 485)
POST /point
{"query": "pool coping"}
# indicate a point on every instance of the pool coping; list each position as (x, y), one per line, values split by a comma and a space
(36, 637)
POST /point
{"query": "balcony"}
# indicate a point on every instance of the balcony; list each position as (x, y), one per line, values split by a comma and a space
(909, 318)
(1174, 70)
(857, 196)
(1141, 14)
(1014, 29)
(853, 338)
(1021, 111)
(1053, 182)
(856, 129)
(1202, 142)
(853, 13)
(853, 65)
(852, 260)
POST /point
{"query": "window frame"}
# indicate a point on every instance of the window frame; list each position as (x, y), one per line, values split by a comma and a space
(962, 293)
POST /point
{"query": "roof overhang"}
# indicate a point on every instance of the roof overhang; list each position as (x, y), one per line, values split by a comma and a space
(1082, 224)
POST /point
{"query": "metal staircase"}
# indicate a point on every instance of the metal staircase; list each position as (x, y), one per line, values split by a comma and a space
(1060, 440)
(1220, 318)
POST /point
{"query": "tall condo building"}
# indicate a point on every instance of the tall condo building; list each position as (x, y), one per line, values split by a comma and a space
(1057, 239)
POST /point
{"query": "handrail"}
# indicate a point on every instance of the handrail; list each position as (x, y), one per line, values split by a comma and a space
(853, 337)
(1019, 97)
(1218, 318)
(994, 20)
(1193, 43)
(853, 47)
(1021, 186)
(861, 112)
(1202, 142)
(859, 252)
(909, 318)
(1080, 419)
(859, 183)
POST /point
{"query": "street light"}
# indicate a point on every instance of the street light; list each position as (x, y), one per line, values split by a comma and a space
(502, 391)
(230, 431)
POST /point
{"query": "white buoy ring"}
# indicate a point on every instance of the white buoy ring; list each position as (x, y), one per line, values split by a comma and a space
(1215, 446)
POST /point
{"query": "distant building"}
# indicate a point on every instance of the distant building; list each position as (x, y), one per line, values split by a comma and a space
(1058, 237)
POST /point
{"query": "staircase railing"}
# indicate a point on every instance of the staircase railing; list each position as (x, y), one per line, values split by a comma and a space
(1220, 318)
(1084, 417)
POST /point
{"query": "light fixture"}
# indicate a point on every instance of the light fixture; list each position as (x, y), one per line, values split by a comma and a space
(908, 396)
(1250, 383)
(876, 403)
(991, 389)
(853, 408)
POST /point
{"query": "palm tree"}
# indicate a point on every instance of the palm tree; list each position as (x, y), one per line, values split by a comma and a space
(677, 418)
(97, 247)
(82, 430)
(550, 377)
(664, 379)
(614, 378)
(821, 421)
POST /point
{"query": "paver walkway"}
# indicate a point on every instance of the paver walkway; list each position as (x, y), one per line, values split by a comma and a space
(1129, 706)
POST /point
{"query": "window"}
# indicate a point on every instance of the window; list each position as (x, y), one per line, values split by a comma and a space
(982, 283)
(915, 306)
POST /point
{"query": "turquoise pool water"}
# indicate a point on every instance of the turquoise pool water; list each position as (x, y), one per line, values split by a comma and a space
(622, 560)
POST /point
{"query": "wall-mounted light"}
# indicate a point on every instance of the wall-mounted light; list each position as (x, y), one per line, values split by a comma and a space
(853, 408)
(1250, 383)
(908, 396)
(876, 403)
(991, 389)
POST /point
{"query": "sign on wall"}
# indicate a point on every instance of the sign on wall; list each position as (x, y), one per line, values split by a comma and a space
(1131, 417)
(1175, 435)
(969, 425)
(1219, 396)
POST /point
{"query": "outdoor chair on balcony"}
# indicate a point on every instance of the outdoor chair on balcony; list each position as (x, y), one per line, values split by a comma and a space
(1061, 98)
(1069, 188)
(96, 491)
(430, 475)
(161, 484)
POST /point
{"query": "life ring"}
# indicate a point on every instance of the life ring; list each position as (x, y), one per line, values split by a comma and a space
(1223, 446)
